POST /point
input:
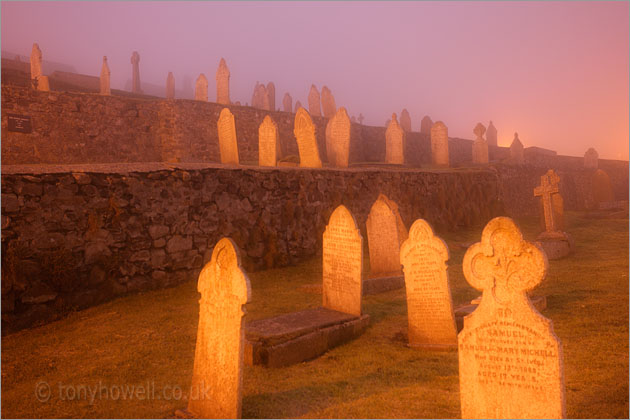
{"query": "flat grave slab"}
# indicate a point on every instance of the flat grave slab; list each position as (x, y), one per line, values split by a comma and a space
(383, 283)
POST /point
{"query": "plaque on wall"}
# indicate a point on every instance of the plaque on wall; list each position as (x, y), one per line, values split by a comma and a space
(20, 123)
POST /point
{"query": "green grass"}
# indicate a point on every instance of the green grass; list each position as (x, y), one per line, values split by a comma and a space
(150, 338)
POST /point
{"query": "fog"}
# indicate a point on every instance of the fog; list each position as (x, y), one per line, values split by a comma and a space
(555, 72)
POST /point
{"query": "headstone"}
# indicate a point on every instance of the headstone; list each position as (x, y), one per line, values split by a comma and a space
(439, 144)
(170, 86)
(217, 377)
(386, 232)
(425, 125)
(590, 159)
(135, 73)
(602, 188)
(339, 139)
(329, 108)
(262, 97)
(510, 361)
(480, 146)
(256, 100)
(104, 79)
(223, 83)
(228, 146)
(361, 118)
(313, 102)
(405, 121)
(516, 151)
(36, 62)
(201, 88)
(330, 147)
(394, 142)
(491, 135)
(546, 191)
(298, 105)
(43, 84)
(271, 94)
(268, 144)
(429, 303)
(287, 103)
(304, 131)
(342, 258)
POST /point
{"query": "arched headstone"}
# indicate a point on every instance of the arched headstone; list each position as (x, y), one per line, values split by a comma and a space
(228, 145)
(304, 131)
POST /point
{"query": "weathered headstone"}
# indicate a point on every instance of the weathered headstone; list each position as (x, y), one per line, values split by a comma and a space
(517, 155)
(287, 103)
(510, 361)
(394, 142)
(591, 159)
(223, 83)
(405, 120)
(480, 146)
(304, 131)
(256, 100)
(268, 144)
(329, 108)
(218, 368)
(271, 95)
(298, 105)
(342, 258)
(439, 144)
(228, 145)
(602, 187)
(491, 135)
(262, 97)
(339, 135)
(314, 107)
(170, 86)
(36, 62)
(135, 73)
(386, 232)
(330, 147)
(553, 239)
(201, 88)
(104, 79)
(429, 303)
(425, 125)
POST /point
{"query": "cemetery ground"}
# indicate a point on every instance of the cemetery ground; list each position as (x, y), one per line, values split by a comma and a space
(148, 341)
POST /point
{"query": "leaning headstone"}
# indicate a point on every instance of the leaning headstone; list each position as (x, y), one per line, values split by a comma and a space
(298, 105)
(386, 232)
(590, 159)
(268, 144)
(491, 135)
(201, 88)
(342, 258)
(217, 377)
(339, 139)
(429, 303)
(425, 125)
(287, 103)
(304, 131)
(439, 144)
(328, 103)
(314, 102)
(228, 146)
(516, 151)
(510, 361)
(480, 146)
(405, 121)
(135, 73)
(271, 94)
(394, 142)
(104, 79)
(170, 86)
(223, 83)
(553, 239)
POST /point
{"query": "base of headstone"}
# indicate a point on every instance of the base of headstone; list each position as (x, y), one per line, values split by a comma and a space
(183, 414)
(380, 283)
(299, 336)
(539, 302)
(555, 244)
(434, 347)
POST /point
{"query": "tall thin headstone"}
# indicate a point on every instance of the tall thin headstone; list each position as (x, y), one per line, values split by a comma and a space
(298, 105)
(223, 83)
(228, 145)
(287, 103)
(510, 360)
(394, 142)
(591, 158)
(386, 232)
(491, 135)
(314, 108)
(104, 79)
(135, 73)
(262, 97)
(268, 144)
(480, 146)
(342, 259)
(329, 108)
(425, 125)
(170, 86)
(217, 377)
(516, 151)
(201, 88)
(429, 302)
(339, 138)
(304, 131)
(36, 62)
(439, 144)
(405, 120)
(256, 100)
(271, 95)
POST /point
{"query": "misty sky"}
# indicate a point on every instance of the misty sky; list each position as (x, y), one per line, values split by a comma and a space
(556, 72)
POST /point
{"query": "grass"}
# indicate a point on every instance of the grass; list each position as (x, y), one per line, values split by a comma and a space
(149, 339)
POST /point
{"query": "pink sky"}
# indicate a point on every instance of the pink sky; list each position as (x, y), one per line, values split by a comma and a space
(556, 72)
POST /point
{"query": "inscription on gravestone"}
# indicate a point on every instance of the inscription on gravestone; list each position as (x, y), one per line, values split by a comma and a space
(19, 123)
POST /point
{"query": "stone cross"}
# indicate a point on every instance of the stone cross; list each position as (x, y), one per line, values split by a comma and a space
(217, 378)
(386, 232)
(516, 151)
(425, 125)
(268, 144)
(228, 145)
(287, 103)
(104, 79)
(480, 145)
(394, 142)
(223, 83)
(405, 120)
(170, 86)
(271, 96)
(135, 73)
(429, 303)
(510, 361)
(328, 103)
(304, 131)
(590, 159)
(439, 144)
(201, 88)
(314, 107)
(491, 135)
(548, 186)
(342, 259)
